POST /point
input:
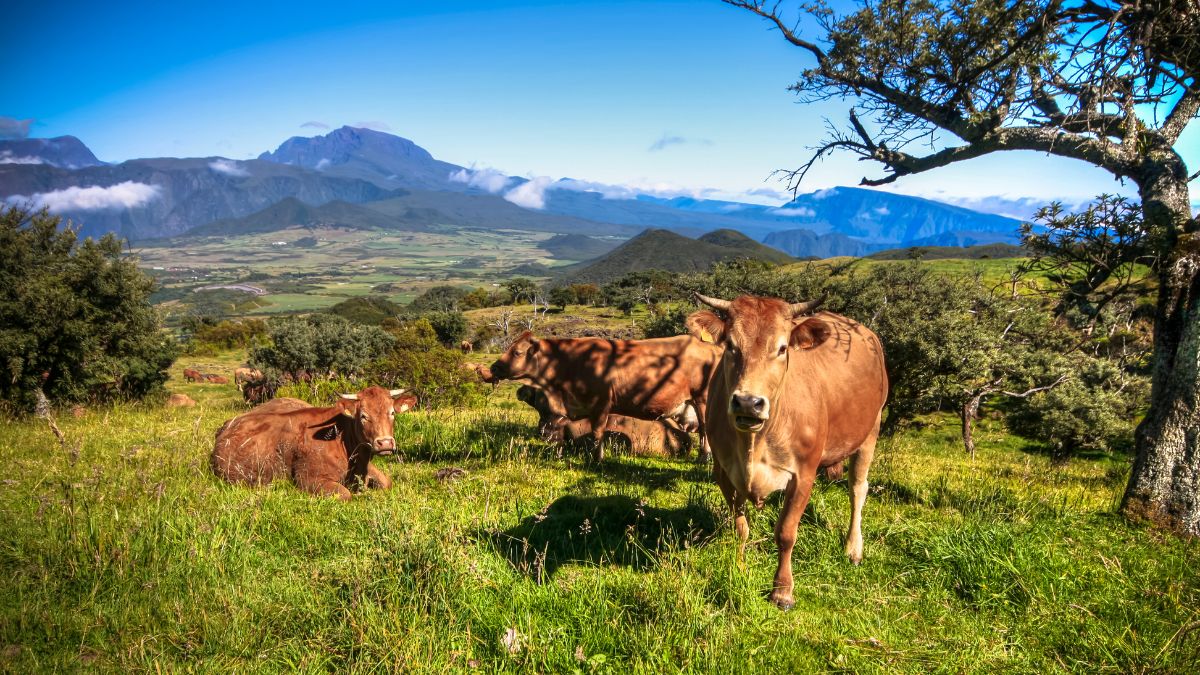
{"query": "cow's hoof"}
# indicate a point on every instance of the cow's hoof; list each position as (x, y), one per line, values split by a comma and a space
(783, 602)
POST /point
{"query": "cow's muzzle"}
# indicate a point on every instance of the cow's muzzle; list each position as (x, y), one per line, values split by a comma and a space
(749, 411)
(384, 445)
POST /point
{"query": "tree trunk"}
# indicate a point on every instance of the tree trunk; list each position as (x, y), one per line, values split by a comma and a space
(969, 413)
(1165, 485)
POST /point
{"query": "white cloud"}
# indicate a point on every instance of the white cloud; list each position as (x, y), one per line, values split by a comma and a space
(822, 194)
(881, 210)
(799, 211)
(490, 180)
(13, 128)
(668, 140)
(770, 193)
(530, 194)
(7, 157)
(314, 125)
(228, 167)
(323, 164)
(125, 195)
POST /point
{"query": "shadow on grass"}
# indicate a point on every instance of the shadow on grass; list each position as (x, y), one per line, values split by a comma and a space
(623, 471)
(610, 530)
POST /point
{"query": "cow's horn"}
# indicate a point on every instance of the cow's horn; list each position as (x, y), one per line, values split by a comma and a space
(715, 303)
(349, 397)
(799, 308)
(395, 392)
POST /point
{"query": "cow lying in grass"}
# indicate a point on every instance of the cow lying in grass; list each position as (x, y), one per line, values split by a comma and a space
(325, 451)
(646, 437)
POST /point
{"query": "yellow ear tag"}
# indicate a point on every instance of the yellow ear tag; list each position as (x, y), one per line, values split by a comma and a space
(706, 336)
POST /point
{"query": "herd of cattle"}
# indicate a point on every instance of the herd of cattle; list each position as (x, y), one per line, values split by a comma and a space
(791, 392)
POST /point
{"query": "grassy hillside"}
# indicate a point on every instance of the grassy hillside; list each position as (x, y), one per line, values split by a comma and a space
(732, 239)
(671, 252)
(121, 552)
(979, 252)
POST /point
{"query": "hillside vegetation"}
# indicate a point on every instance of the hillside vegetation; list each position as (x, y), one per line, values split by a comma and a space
(123, 552)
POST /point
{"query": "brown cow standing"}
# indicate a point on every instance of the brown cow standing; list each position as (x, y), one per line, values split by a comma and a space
(324, 450)
(594, 377)
(192, 375)
(792, 394)
(660, 437)
(466, 346)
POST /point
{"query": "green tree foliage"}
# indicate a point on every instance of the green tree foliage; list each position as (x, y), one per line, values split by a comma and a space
(75, 317)
(369, 310)
(521, 289)
(451, 327)
(319, 345)
(212, 336)
(561, 296)
(420, 363)
(1096, 410)
(441, 299)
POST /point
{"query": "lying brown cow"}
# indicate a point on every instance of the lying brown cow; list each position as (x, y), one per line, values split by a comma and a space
(594, 377)
(325, 451)
(192, 375)
(645, 437)
(792, 394)
(216, 379)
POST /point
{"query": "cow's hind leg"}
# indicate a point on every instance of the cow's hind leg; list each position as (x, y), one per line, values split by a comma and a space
(860, 463)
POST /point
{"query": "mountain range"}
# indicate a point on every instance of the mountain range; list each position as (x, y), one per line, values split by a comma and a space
(365, 179)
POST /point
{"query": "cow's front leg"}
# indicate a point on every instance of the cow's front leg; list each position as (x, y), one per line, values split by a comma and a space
(377, 480)
(599, 420)
(737, 508)
(798, 491)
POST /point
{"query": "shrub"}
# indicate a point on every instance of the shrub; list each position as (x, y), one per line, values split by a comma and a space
(320, 344)
(1095, 411)
(450, 327)
(209, 338)
(666, 324)
(370, 310)
(419, 363)
(75, 317)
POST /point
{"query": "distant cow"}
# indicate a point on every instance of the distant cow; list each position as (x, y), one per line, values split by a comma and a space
(216, 379)
(645, 437)
(180, 401)
(325, 451)
(192, 375)
(466, 346)
(243, 376)
(259, 391)
(792, 394)
(595, 378)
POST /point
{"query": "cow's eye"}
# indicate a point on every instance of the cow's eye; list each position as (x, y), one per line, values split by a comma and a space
(782, 350)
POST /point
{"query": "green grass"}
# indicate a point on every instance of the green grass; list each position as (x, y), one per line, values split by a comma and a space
(126, 554)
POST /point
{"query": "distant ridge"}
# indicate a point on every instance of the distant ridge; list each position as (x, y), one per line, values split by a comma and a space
(952, 252)
(291, 212)
(64, 152)
(808, 244)
(667, 251)
(732, 239)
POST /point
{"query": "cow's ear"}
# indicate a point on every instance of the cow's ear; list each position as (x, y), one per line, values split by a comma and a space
(349, 408)
(404, 403)
(810, 333)
(706, 326)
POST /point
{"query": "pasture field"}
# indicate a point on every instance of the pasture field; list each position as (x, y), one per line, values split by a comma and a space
(121, 552)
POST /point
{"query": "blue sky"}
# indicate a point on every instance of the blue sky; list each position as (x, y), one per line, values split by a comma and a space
(652, 94)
